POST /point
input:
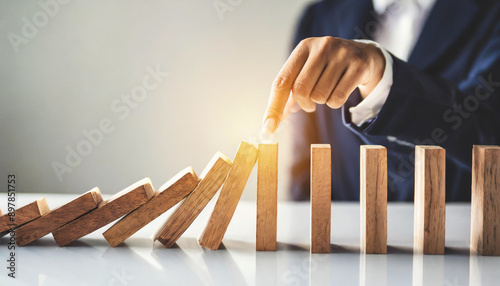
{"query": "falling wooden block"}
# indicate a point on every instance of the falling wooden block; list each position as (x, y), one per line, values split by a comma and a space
(373, 199)
(213, 177)
(168, 196)
(23, 215)
(230, 194)
(58, 217)
(321, 195)
(430, 193)
(267, 197)
(117, 206)
(485, 200)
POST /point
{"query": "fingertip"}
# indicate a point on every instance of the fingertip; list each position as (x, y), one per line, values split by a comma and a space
(310, 109)
(269, 126)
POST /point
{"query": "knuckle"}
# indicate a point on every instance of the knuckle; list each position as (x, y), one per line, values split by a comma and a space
(281, 82)
(327, 41)
(304, 43)
(324, 45)
(331, 40)
(299, 88)
(319, 95)
(330, 43)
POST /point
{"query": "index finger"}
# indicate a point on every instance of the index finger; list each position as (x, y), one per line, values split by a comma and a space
(280, 90)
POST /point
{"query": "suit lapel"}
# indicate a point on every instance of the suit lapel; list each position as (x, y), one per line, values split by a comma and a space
(446, 22)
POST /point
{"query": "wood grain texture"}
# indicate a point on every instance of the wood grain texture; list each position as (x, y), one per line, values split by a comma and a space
(230, 195)
(58, 217)
(430, 195)
(485, 200)
(321, 195)
(171, 193)
(23, 215)
(117, 206)
(373, 199)
(213, 177)
(267, 197)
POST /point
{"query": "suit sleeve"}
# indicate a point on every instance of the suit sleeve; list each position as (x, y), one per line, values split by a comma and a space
(422, 108)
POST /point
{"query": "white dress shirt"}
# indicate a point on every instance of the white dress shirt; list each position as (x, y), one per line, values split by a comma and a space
(398, 31)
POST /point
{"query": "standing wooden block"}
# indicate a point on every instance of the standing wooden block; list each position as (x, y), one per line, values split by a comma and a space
(117, 206)
(321, 196)
(168, 196)
(23, 215)
(229, 196)
(267, 197)
(430, 193)
(58, 217)
(485, 200)
(213, 177)
(373, 199)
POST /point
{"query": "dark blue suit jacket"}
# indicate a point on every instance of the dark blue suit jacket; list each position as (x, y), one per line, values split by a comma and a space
(447, 94)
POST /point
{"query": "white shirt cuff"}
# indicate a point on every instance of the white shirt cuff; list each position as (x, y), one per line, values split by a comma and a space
(371, 105)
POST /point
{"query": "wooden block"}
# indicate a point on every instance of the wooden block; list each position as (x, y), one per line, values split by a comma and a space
(117, 206)
(485, 200)
(23, 215)
(267, 197)
(321, 195)
(430, 193)
(213, 177)
(230, 194)
(58, 217)
(373, 199)
(168, 196)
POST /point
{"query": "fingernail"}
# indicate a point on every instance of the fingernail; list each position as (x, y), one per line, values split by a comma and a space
(269, 126)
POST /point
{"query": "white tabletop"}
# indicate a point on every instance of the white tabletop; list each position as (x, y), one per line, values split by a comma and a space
(90, 261)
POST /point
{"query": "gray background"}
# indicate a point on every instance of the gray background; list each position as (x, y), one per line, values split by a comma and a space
(64, 78)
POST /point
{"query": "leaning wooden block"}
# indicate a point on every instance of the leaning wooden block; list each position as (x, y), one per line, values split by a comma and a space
(230, 194)
(213, 177)
(430, 193)
(117, 206)
(321, 195)
(168, 196)
(373, 199)
(267, 197)
(58, 217)
(485, 200)
(23, 215)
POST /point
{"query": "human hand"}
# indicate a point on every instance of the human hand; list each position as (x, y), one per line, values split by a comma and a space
(324, 70)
